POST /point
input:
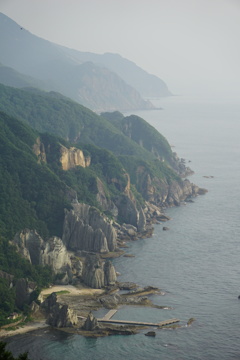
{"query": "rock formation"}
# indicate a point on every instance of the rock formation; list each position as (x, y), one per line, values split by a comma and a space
(39, 150)
(162, 193)
(98, 274)
(52, 252)
(72, 157)
(30, 245)
(91, 323)
(23, 289)
(55, 255)
(59, 315)
(85, 228)
(104, 201)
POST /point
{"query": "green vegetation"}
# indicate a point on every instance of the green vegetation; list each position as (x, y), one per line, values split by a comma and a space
(35, 189)
(31, 195)
(58, 115)
(12, 263)
(141, 133)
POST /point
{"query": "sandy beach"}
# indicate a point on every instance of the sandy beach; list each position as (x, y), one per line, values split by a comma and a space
(39, 324)
(80, 290)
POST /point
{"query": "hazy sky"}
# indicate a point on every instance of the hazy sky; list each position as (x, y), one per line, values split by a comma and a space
(193, 45)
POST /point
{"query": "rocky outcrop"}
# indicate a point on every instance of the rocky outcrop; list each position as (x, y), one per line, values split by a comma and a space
(110, 276)
(179, 191)
(72, 157)
(85, 228)
(39, 151)
(55, 255)
(59, 315)
(130, 213)
(98, 274)
(91, 323)
(23, 289)
(161, 192)
(53, 252)
(30, 245)
(104, 200)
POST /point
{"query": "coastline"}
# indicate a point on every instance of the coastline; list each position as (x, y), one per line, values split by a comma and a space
(41, 323)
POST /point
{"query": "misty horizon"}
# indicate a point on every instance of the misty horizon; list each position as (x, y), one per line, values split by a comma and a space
(192, 46)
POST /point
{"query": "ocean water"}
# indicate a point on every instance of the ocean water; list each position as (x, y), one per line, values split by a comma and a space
(196, 263)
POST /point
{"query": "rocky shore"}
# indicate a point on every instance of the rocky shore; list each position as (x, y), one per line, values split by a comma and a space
(81, 259)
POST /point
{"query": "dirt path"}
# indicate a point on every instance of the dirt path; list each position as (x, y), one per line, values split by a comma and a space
(29, 327)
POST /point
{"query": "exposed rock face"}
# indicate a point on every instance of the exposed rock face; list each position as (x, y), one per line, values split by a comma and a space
(52, 252)
(23, 289)
(55, 255)
(157, 191)
(98, 274)
(30, 245)
(59, 315)
(129, 211)
(86, 229)
(70, 158)
(104, 201)
(110, 276)
(91, 323)
(179, 191)
(39, 150)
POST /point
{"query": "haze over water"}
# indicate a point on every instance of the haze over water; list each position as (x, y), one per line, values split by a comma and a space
(196, 262)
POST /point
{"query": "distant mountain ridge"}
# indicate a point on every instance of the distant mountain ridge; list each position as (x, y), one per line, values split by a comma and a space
(148, 85)
(101, 82)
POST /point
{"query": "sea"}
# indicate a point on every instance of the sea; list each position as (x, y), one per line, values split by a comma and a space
(196, 263)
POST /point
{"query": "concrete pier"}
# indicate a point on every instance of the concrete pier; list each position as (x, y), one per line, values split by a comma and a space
(140, 323)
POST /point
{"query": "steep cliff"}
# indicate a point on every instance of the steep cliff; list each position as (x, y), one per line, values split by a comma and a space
(58, 315)
(55, 254)
(39, 252)
(30, 245)
(72, 157)
(97, 273)
(85, 228)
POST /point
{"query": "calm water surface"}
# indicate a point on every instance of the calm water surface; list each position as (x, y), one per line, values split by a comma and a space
(196, 262)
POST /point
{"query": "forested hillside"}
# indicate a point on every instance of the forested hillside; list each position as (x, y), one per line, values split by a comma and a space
(56, 156)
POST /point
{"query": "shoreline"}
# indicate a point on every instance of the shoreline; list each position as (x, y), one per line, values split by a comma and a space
(41, 324)
(33, 325)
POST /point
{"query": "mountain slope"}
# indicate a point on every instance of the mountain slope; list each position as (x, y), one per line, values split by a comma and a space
(130, 136)
(56, 114)
(89, 84)
(148, 85)
(11, 77)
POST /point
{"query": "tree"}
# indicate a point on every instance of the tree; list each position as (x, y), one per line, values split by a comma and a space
(7, 355)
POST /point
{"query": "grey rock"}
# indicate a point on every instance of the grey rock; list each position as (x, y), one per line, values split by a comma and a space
(110, 276)
(130, 213)
(23, 289)
(91, 323)
(85, 228)
(96, 273)
(151, 333)
(53, 252)
(55, 255)
(110, 301)
(104, 200)
(29, 244)
(59, 315)
(62, 316)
